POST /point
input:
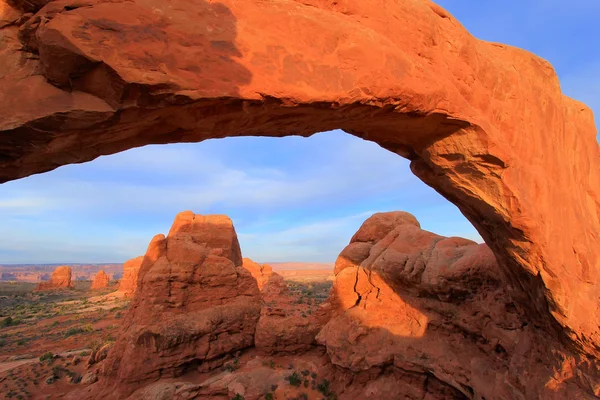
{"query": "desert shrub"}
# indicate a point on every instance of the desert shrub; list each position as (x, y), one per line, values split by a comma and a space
(269, 396)
(9, 321)
(73, 331)
(237, 397)
(323, 387)
(46, 356)
(294, 379)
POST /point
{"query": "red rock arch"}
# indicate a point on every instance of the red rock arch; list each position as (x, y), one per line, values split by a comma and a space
(484, 124)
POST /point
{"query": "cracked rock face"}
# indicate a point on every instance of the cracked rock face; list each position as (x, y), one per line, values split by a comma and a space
(194, 304)
(435, 308)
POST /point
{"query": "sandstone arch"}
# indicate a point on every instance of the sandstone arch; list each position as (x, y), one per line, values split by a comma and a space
(484, 124)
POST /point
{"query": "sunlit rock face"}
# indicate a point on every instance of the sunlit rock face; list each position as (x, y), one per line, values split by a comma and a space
(484, 124)
(194, 304)
(101, 281)
(60, 279)
(406, 299)
(131, 270)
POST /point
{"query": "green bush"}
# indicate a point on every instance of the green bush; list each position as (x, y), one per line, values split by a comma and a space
(73, 331)
(9, 321)
(323, 387)
(46, 356)
(294, 379)
(237, 397)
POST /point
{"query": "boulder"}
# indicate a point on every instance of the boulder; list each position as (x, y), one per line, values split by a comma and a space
(60, 279)
(420, 306)
(100, 281)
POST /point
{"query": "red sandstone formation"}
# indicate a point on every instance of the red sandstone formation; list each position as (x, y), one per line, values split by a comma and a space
(195, 304)
(128, 282)
(283, 326)
(269, 283)
(60, 279)
(100, 281)
(485, 124)
(415, 308)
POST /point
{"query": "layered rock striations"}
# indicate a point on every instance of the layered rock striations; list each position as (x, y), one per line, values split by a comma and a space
(101, 281)
(432, 314)
(60, 279)
(195, 304)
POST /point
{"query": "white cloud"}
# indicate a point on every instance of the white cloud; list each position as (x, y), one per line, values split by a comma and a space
(303, 208)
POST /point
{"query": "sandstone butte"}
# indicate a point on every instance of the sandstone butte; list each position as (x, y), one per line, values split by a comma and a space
(484, 124)
(194, 305)
(60, 279)
(131, 269)
(100, 281)
(411, 314)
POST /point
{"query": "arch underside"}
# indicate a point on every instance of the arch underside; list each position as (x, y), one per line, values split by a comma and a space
(484, 124)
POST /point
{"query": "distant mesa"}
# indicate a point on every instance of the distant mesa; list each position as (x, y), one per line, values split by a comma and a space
(60, 279)
(128, 282)
(101, 281)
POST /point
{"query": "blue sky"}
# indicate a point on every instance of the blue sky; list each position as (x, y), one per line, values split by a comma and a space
(291, 199)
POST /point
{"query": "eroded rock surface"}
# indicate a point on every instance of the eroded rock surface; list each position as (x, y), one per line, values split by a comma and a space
(101, 281)
(410, 306)
(195, 303)
(131, 269)
(485, 124)
(284, 325)
(60, 279)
